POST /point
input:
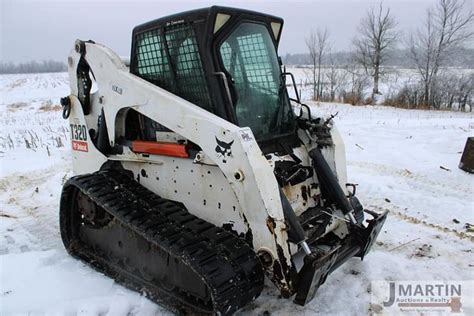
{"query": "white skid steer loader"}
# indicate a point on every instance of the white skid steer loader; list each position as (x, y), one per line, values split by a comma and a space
(195, 173)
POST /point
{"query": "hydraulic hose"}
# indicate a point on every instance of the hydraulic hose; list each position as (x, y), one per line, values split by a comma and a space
(328, 183)
(294, 223)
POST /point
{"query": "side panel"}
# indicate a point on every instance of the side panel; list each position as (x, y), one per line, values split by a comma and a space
(201, 188)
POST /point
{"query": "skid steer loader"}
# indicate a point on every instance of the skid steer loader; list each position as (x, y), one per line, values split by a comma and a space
(195, 173)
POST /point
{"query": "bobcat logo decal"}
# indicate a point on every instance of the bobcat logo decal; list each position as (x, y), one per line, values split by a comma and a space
(223, 149)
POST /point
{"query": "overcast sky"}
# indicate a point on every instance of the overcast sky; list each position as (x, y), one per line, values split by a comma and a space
(47, 29)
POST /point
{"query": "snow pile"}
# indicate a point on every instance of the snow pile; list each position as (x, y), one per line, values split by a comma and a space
(395, 155)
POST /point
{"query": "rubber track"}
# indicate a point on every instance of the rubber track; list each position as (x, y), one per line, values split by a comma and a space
(225, 263)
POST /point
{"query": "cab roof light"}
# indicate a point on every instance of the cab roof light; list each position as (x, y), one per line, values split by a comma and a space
(221, 19)
(276, 28)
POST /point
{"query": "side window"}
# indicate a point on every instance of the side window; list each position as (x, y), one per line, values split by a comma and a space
(186, 61)
(248, 54)
(257, 63)
(232, 63)
(169, 58)
(152, 61)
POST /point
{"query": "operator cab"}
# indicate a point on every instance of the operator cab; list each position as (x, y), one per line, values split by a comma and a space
(223, 60)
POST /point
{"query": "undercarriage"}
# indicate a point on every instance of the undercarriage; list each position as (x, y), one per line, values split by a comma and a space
(117, 226)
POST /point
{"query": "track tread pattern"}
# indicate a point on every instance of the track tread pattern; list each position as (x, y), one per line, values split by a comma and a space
(226, 264)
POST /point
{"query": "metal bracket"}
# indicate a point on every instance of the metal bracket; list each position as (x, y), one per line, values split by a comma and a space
(314, 272)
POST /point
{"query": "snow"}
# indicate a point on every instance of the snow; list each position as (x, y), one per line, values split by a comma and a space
(393, 154)
(54, 283)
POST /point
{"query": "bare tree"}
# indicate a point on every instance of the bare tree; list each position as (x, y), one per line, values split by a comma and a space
(358, 81)
(466, 92)
(312, 45)
(335, 77)
(376, 36)
(447, 26)
(317, 44)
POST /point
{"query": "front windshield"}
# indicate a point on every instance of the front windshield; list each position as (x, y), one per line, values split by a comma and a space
(249, 56)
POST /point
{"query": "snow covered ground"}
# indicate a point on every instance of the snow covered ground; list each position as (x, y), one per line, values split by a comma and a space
(394, 155)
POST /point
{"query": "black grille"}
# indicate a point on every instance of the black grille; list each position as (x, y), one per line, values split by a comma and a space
(257, 62)
(169, 58)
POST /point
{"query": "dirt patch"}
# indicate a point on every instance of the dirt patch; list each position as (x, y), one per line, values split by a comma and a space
(7, 215)
(425, 251)
(12, 107)
(48, 106)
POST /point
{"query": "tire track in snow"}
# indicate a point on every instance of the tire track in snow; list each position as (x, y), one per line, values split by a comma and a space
(421, 180)
(422, 185)
(397, 211)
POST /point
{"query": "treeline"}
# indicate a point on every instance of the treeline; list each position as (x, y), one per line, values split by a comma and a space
(462, 58)
(438, 44)
(32, 67)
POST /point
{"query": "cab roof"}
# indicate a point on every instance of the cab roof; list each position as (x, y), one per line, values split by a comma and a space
(202, 15)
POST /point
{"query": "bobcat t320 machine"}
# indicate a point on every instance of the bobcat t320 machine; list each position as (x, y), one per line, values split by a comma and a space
(195, 173)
